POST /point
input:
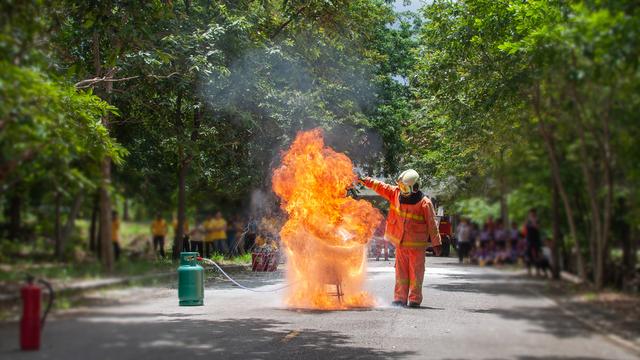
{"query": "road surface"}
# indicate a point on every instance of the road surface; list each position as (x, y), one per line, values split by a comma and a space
(468, 313)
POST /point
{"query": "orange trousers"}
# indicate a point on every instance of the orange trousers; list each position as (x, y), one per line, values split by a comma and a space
(409, 275)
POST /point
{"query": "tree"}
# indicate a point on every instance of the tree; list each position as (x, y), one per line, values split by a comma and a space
(230, 84)
(53, 146)
(101, 34)
(494, 73)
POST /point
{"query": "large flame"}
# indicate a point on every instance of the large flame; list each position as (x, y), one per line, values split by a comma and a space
(326, 233)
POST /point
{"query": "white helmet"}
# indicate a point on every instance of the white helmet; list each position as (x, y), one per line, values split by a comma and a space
(408, 181)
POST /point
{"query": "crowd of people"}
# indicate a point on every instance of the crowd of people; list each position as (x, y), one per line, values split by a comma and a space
(213, 235)
(495, 243)
(236, 237)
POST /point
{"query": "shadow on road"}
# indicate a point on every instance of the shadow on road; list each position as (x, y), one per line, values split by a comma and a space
(492, 276)
(156, 336)
(548, 319)
(425, 308)
(495, 288)
(527, 357)
(490, 283)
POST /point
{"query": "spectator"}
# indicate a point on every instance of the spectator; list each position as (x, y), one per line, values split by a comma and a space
(545, 260)
(197, 236)
(216, 235)
(484, 256)
(185, 232)
(464, 235)
(490, 225)
(159, 231)
(115, 234)
(514, 237)
(501, 236)
(475, 242)
(532, 237)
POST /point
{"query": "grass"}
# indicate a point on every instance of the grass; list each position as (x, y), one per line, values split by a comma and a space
(15, 268)
(236, 260)
(82, 271)
(129, 230)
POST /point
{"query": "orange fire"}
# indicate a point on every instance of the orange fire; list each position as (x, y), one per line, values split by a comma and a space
(326, 233)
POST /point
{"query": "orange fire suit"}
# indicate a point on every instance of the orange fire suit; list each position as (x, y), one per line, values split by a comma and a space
(410, 227)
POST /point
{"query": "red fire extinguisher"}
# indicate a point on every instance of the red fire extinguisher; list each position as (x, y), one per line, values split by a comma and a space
(31, 324)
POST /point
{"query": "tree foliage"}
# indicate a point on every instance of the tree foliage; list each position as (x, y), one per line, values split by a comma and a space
(497, 79)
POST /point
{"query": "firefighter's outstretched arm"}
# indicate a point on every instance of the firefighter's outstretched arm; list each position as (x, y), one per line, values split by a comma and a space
(385, 190)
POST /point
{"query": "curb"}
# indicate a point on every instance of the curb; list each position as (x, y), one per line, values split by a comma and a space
(87, 285)
(603, 331)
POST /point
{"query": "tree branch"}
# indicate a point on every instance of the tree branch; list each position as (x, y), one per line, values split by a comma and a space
(91, 82)
(83, 84)
(286, 23)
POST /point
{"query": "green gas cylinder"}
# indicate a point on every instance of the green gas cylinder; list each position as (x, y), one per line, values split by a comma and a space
(190, 280)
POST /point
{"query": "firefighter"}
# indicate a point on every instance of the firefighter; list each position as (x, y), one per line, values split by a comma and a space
(411, 224)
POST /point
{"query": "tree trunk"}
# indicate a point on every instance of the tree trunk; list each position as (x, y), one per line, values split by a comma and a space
(182, 173)
(71, 220)
(106, 247)
(607, 160)
(183, 168)
(14, 214)
(625, 239)
(555, 171)
(601, 214)
(504, 208)
(592, 197)
(94, 220)
(106, 253)
(57, 228)
(598, 269)
(549, 144)
(625, 231)
(635, 241)
(125, 210)
(557, 237)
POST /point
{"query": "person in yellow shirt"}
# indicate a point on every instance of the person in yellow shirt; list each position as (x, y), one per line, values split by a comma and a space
(196, 237)
(185, 233)
(115, 234)
(159, 231)
(174, 225)
(215, 235)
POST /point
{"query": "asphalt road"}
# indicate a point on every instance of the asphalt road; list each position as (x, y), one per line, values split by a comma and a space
(468, 313)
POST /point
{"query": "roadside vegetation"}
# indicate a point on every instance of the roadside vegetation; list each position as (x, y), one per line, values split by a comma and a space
(181, 108)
